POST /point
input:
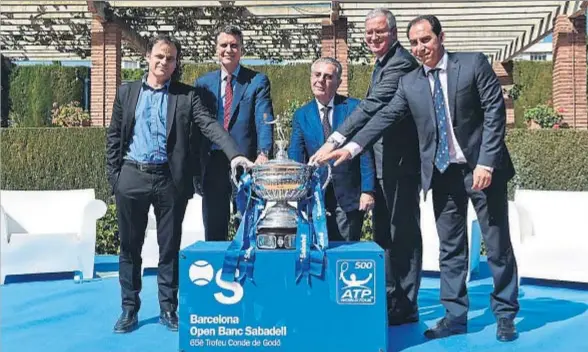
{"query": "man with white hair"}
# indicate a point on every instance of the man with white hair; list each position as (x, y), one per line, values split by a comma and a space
(396, 215)
(350, 193)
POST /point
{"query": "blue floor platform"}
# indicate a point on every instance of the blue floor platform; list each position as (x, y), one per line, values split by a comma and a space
(54, 314)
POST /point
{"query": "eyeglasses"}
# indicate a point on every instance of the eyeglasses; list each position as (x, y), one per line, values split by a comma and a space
(378, 34)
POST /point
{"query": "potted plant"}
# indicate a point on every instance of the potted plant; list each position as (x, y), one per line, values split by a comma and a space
(543, 116)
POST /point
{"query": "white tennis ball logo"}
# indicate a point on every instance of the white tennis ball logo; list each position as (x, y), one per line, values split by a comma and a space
(201, 272)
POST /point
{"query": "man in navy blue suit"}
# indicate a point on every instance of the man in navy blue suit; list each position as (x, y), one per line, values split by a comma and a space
(240, 99)
(350, 193)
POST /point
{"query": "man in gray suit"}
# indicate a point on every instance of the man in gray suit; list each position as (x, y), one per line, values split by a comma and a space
(396, 216)
(456, 102)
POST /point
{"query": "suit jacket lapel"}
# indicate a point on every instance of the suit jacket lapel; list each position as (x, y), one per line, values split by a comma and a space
(315, 127)
(129, 118)
(423, 85)
(215, 88)
(171, 107)
(339, 112)
(240, 88)
(453, 68)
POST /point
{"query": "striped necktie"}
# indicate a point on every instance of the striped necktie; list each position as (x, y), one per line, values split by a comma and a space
(442, 155)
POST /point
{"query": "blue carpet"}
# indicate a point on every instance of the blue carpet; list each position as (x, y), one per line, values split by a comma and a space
(62, 316)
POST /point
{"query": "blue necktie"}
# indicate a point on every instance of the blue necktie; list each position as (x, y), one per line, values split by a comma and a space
(442, 155)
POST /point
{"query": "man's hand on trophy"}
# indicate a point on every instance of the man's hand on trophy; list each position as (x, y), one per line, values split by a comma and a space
(366, 202)
(339, 155)
(241, 161)
(261, 159)
(320, 157)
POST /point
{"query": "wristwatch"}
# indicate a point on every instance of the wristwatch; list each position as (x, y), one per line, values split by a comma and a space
(333, 141)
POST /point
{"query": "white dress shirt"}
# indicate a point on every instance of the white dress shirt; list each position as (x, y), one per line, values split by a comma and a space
(331, 105)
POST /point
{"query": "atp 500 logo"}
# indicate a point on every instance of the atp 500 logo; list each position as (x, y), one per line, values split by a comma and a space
(201, 274)
(356, 282)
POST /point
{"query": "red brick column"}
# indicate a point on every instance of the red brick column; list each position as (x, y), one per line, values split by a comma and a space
(569, 69)
(105, 76)
(334, 44)
(503, 71)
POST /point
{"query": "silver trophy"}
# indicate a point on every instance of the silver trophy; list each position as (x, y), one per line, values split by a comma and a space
(283, 181)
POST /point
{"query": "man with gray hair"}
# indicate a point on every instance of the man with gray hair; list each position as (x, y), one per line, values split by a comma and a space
(350, 193)
(240, 100)
(396, 215)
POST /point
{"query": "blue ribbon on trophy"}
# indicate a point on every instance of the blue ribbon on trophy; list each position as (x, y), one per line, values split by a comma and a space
(311, 238)
(241, 252)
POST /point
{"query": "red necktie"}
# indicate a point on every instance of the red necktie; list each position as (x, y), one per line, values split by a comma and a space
(228, 102)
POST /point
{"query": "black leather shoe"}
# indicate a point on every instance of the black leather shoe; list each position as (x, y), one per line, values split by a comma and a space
(170, 320)
(445, 328)
(127, 322)
(506, 330)
(400, 317)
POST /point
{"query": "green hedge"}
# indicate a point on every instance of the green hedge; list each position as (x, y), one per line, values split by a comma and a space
(70, 158)
(54, 159)
(34, 89)
(549, 159)
(55, 83)
(534, 79)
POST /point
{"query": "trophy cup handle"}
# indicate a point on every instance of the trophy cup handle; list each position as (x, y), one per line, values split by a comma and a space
(328, 176)
(234, 177)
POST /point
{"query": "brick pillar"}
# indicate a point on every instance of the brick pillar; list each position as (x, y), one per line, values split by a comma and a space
(334, 44)
(569, 69)
(105, 76)
(503, 71)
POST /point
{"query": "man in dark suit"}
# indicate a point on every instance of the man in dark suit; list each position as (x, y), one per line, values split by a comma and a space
(396, 216)
(149, 163)
(456, 102)
(350, 193)
(240, 100)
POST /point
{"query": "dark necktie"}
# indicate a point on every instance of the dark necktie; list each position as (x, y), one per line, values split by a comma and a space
(325, 121)
(442, 155)
(228, 102)
(375, 73)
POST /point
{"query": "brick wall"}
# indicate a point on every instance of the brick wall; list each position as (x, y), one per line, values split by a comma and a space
(106, 65)
(334, 44)
(503, 71)
(569, 69)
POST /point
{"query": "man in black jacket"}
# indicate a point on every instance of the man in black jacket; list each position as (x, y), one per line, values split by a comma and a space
(150, 162)
(396, 215)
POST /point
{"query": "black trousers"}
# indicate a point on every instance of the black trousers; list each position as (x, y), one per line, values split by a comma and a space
(451, 191)
(135, 191)
(342, 225)
(216, 198)
(396, 220)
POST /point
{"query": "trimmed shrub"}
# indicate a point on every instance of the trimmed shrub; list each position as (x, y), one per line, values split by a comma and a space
(54, 159)
(73, 158)
(549, 159)
(34, 89)
(534, 85)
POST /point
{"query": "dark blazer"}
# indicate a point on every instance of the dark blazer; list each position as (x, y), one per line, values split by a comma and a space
(477, 111)
(351, 178)
(397, 151)
(184, 110)
(251, 108)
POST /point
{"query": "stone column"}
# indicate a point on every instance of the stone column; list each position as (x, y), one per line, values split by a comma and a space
(569, 70)
(334, 44)
(503, 71)
(106, 68)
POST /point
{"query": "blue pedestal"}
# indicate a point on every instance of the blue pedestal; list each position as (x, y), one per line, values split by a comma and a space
(344, 312)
